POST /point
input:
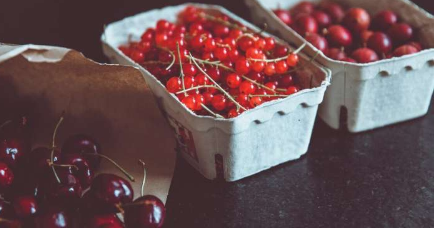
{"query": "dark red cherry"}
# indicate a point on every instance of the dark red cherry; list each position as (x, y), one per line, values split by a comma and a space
(322, 18)
(384, 20)
(6, 177)
(338, 36)
(82, 144)
(336, 54)
(405, 50)
(12, 150)
(25, 206)
(334, 10)
(317, 41)
(81, 171)
(364, 55)
(400, 33)
(303, 7)
(111, 190)
(67, 193)
(305, 24)
(103, 220)
(145, 212)
(357, 20)
(380, 43)
(38, 161)
(54, 218)
(284, 16)
(417, 45)
(89, 206)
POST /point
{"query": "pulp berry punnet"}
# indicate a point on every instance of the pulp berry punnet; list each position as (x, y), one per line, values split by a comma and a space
(44, 187)
(367, 38)
(224, 67)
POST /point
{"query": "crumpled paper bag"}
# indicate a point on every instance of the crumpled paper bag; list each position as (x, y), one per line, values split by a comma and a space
(108, 102)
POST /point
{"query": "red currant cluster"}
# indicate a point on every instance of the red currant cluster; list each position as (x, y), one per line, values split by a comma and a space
(43, 187)
(350, 36)
(223, 68)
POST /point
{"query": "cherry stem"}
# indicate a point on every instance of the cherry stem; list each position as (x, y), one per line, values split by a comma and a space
(219, 20)
(53, 146)
(197, 87)
(211, 112)
(115, 164)
(61, 165)
(120, 208)
(218, 86)
(180, 67)
(13, 222)
(5, 123)
(144, 177)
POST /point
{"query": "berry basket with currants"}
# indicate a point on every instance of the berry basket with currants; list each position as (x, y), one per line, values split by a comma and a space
(375, 49)
(57, 187)
(214, 73)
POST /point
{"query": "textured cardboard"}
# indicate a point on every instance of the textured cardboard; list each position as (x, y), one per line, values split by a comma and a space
(231, 149)
(374, 94)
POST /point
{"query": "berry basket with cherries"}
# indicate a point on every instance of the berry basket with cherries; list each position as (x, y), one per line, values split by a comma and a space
(375, 49)
(233, 93)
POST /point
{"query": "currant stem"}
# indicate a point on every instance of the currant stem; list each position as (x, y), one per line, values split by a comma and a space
(211, 112)
(53, 146)
(212, 63)
(180, 67)
(194, 88)
(173, 57)
(299, 48)
(258, 84)
(144, 177)
(250, 35)
(115, 164)
(5, 123)
(217, 85)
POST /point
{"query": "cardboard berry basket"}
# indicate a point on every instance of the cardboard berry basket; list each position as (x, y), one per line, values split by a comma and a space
(374, 94)
(231, 149)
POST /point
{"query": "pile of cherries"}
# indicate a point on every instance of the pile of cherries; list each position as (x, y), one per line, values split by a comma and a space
(349, 35)
(50, 188)
(214, 65)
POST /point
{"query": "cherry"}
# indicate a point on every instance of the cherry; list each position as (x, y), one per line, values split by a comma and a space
(6, 177)
(334, 10)
(284, 16)
(322, 18)
(364, 55)
(348, 59)
(111, 190)
(305, 24)
(65, 193)
(384, 20)
(25, 206)
(81, 171)
(146, 212)
(303, 7)
(404, 50)
(317, 41)
(336, 54)
(357, 20)
(103, 220)
(338, 36)
(242, 66)
(400, 33)
(233, 80)
(12, 149)
(365, 35)
(417, 45)
(83, 144)
(54, 218)
(39, 158)
(380, 43)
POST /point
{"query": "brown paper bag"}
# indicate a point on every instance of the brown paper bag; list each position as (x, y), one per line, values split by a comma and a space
(108, 102)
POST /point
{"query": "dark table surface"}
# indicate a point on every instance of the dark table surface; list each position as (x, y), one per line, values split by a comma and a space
(380, 178)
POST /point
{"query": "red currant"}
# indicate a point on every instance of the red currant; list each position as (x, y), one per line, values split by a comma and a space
(292, 60)
(173, 85)
(219, 102)
(233, 80)
(242, 66)
(247, 88)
